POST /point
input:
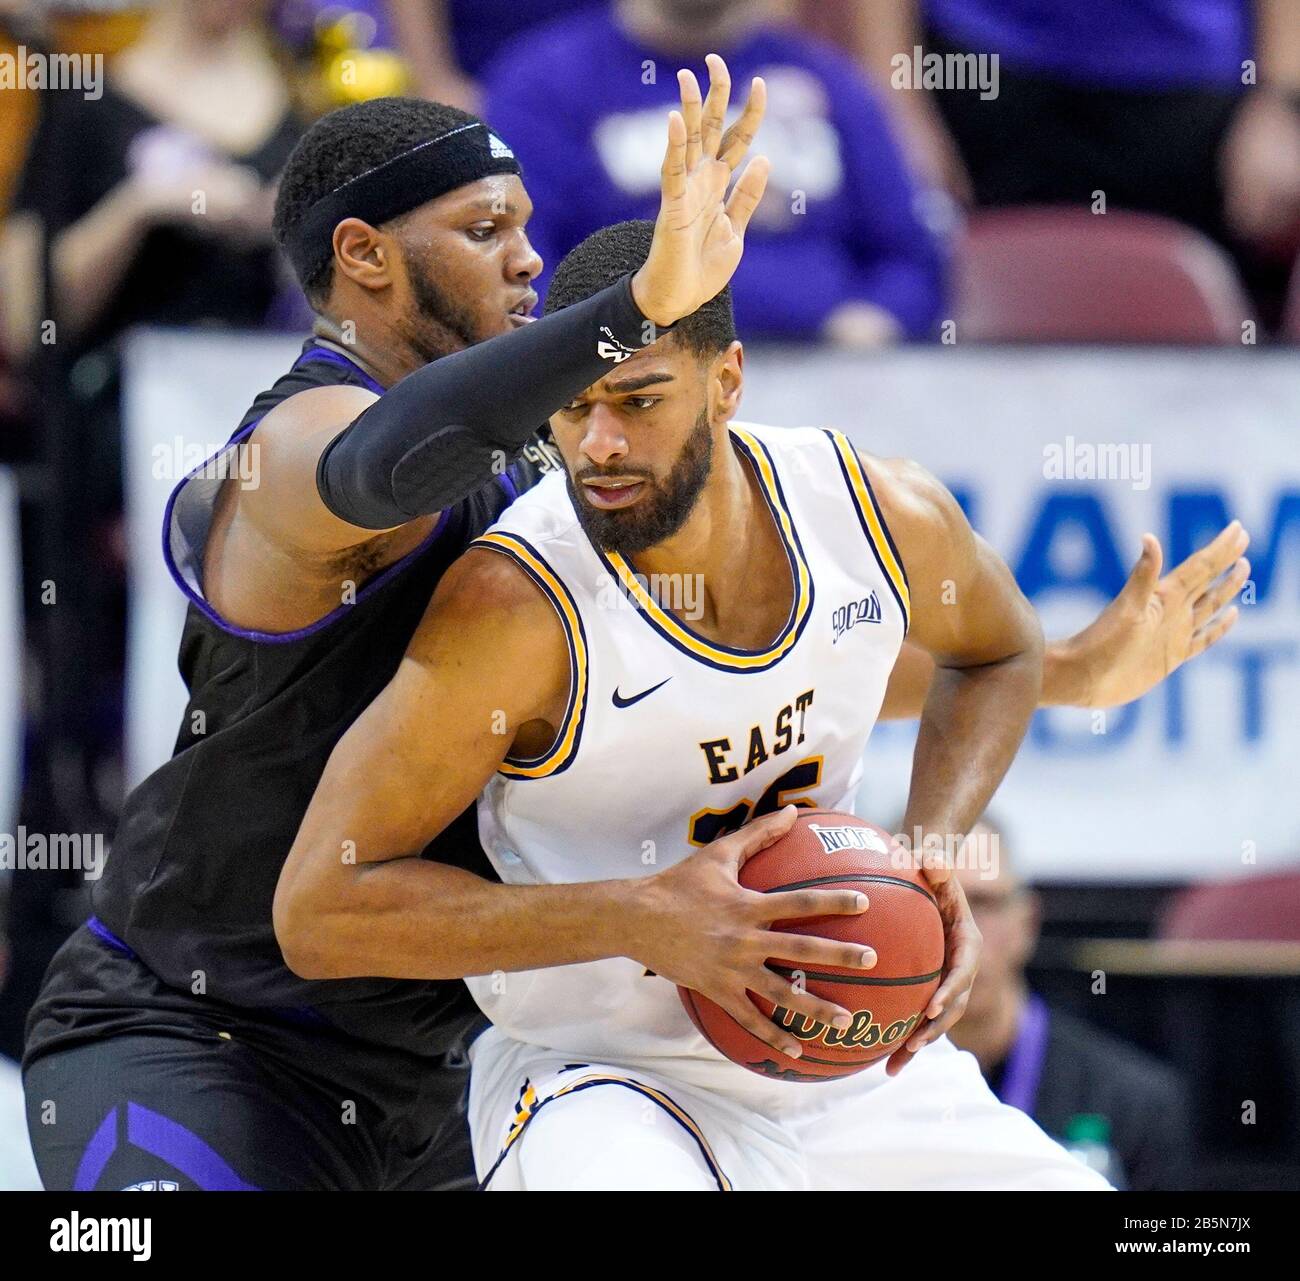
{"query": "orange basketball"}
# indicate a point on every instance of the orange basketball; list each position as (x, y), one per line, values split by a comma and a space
(826, 849)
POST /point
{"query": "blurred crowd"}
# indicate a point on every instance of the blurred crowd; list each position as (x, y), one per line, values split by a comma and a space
(939, 169)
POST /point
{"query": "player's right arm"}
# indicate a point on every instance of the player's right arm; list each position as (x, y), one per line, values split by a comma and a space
(489, 662)
(338, 465)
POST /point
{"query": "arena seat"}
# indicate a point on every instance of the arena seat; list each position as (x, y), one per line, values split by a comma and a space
(1252, 908)
(1048, 274)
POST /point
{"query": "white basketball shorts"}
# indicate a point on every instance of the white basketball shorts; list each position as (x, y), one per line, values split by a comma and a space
(543, 1121)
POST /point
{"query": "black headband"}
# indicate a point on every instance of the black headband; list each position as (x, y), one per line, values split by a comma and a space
(428, 170)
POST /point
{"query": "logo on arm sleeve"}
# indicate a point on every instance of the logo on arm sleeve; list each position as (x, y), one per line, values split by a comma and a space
(612, 349)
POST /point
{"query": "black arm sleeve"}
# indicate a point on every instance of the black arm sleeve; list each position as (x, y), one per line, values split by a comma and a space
(443, 432)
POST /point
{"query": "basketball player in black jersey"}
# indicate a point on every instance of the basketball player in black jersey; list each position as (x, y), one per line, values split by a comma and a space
(170, 1046)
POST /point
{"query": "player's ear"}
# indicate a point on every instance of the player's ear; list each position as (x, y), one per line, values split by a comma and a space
(364, 254)
(729, 374)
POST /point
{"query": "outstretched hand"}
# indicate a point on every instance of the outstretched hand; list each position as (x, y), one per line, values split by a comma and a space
(1156, 624)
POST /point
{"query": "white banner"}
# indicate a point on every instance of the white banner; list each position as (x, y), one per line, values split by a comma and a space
(1063, 459)
(1202, 777)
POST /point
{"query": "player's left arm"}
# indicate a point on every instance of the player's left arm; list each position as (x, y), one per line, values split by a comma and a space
(1146, 633)
(970, 618)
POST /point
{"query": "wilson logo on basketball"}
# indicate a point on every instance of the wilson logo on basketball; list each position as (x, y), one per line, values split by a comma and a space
(862, 1033)
(903, 925)
(848, 838)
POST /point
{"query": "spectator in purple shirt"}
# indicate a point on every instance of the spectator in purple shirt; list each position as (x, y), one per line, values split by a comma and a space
(1187, 108)
(837, 250)
(447, 43)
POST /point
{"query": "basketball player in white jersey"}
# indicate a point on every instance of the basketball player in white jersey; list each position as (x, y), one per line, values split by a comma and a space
(611, 735)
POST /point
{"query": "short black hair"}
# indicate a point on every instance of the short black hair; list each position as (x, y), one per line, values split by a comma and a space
(610, 254)
(343, 145)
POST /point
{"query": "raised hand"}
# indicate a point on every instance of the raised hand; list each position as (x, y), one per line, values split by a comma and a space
(700, 232)
(1156, 624)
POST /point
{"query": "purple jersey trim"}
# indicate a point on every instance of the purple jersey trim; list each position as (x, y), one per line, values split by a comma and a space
(300, 1015)
(329, 356)
(160, 1137)
(182, 1149)
(301, 633)
(102, 1145)
(103, 933)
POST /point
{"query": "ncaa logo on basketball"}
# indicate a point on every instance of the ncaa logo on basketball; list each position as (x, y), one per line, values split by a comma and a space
(834, 839)
(847, 617)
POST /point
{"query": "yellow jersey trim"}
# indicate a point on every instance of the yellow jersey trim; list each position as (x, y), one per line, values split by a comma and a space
(873, 523)
(724, 656)
(562, 752)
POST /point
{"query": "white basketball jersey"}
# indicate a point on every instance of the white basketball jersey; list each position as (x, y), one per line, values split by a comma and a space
(671, 740)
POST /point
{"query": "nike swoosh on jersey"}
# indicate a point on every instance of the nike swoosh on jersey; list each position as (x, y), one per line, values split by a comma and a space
(636, 698)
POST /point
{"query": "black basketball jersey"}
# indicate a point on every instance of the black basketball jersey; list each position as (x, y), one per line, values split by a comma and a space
(188, 884)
